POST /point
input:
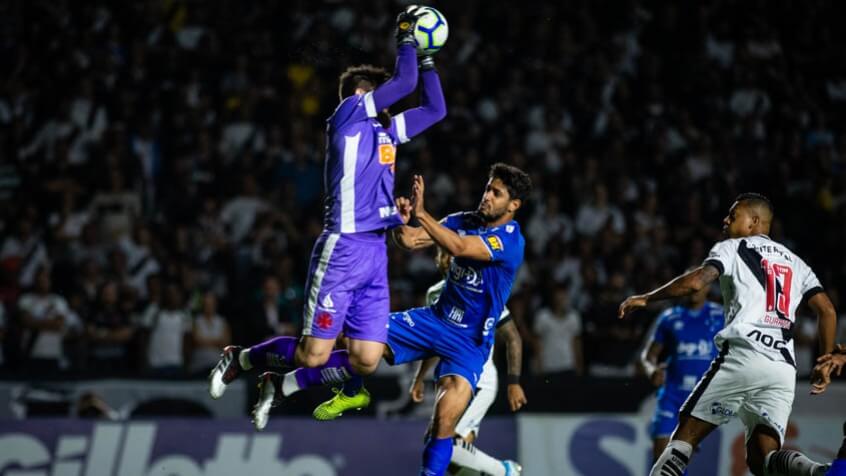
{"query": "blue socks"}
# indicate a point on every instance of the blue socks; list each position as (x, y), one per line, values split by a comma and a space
(436, 456)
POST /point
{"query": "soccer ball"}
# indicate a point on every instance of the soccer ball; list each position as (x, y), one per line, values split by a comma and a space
(431, 31)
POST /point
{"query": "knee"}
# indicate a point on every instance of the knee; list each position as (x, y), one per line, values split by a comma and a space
(311, 358)
(443, 426)
(364, 364)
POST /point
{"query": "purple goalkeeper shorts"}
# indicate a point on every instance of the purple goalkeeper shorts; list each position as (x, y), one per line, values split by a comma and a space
(347, 287)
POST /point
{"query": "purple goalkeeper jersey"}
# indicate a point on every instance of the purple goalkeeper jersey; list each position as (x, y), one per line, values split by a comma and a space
(361, 153)
(359, 174)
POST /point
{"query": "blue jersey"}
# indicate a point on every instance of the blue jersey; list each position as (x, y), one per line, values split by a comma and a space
(688, 339)
(476, 291)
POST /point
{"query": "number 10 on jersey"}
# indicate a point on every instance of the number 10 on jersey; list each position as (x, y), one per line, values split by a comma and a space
(778, 296)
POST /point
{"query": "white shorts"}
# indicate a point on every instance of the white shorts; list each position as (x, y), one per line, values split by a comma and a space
(745, 383)
(472, 418)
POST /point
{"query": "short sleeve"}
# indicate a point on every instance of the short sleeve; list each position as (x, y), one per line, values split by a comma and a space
(352, 109)
(810, 283)
(453, 222)
(659, 335)
(501, 244)
(541, 322)
(504, 317)
(576, 322)
(722, 256)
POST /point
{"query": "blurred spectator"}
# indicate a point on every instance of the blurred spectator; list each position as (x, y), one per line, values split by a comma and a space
(2, 334)
(167, 333)
(140, 261)
(596, 214)
(210, 335)
(558, 333)
(25, 252)
(239, 214)
(110, 333)
(46, 321)
(115, 206)
(271, 315)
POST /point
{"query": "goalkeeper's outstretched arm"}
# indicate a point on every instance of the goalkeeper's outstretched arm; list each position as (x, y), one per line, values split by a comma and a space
(432, 105)
(402, 83)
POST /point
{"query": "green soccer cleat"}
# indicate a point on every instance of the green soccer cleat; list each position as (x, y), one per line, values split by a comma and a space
(337, 405)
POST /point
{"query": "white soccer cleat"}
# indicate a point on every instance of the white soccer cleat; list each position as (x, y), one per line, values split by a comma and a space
(512, 468)
(226, 370)
(268, 392)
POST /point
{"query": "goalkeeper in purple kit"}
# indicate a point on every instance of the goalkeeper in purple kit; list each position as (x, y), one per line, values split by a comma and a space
(347, 284)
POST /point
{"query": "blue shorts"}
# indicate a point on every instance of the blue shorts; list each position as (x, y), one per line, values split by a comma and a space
(419, 333)
(838, 468)
(667, 412)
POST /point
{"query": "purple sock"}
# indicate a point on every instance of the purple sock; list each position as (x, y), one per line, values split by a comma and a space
(336, 370)
(436, 456)
(276, 353)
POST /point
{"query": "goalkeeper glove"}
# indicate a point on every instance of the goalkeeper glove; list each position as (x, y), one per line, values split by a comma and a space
(425, 63)
(406, 21)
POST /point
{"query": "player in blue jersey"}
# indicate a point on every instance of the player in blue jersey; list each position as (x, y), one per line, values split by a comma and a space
(347, 285)
(487, 246)
(684, 336)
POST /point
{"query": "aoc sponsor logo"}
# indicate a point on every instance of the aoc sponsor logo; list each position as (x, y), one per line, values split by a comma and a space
(767, 340)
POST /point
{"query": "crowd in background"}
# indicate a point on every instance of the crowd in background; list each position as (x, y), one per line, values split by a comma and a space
(161, 172)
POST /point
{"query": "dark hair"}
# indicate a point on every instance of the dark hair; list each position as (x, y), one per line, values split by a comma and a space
(364, 75)
(756, 200)
(516, 181)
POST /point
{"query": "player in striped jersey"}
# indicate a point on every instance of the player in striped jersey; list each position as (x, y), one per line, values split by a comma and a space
(464, 454)
(754, 375)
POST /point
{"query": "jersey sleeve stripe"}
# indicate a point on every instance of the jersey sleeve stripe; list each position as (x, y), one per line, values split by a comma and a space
(812, 292)
(370, 104)
(399, 120)
(715, 263)
(503, 320)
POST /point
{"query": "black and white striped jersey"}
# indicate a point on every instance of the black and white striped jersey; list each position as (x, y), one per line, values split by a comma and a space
(762, 283)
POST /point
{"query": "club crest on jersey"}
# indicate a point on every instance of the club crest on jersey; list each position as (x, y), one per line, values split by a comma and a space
(327, 304)
(494, 242)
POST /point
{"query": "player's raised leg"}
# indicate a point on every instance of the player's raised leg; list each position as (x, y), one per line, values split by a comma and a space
(465, 454)
(765, 457)
(454, 393)
(676, 456)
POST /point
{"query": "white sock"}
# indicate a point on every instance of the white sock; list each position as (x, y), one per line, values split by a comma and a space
(289, 384)
(244, 359)
(466, 455)
(790, 463)
(674, 460)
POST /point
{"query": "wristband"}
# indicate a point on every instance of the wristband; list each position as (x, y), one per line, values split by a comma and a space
(513, 379)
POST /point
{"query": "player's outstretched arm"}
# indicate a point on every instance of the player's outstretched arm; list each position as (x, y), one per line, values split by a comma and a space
(514, 358)
(471, 247)
(432, 106)
(404, 80)
(409, 237)
(684, 285)
(649, 360)
(826, 327)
